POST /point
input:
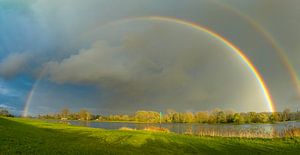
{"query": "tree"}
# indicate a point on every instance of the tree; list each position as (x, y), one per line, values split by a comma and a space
(168, 117)
(229, 116)
(238, 118)
(4, 112)
(262, 118)
(221, 117)
(213, 117)
(275, 117)
(286, 114)
(65, 113)
(246, 117)
(297, 115)
(147, 116)
(253, 117)
(74, 116)
(176, 118)
(84, 114)
(201, 117)
(125, 118)
(188, 117)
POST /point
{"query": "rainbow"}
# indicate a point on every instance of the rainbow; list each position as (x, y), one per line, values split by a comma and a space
(29, 98)
(195, 26)
(270, 39)
(31, 93)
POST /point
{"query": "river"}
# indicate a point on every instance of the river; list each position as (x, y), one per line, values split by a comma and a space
(191, 127)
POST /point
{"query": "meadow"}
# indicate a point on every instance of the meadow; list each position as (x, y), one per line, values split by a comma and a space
(30, 136)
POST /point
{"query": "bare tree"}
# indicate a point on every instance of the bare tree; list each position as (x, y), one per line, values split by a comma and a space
(65, 113)
(84, 114)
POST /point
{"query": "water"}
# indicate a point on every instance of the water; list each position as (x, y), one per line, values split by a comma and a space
(192, 127)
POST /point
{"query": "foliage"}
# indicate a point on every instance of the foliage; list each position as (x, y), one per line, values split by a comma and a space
(65, 113)
(172, 116)
(147, 116)
(201, 117)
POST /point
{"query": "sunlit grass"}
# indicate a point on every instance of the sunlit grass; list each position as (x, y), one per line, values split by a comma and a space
(27, 136)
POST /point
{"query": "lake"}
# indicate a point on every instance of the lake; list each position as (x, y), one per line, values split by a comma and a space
(190, 127)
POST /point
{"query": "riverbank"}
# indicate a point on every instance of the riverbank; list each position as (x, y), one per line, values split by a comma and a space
(28, 136)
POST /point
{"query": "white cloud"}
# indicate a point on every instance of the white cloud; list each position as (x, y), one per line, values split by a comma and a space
(3, 91)
(7, 107)
(11, 109)
(6, 91)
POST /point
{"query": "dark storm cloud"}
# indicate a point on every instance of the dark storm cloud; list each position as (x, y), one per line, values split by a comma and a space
(14, 63)
(158, 67)
(164, 66)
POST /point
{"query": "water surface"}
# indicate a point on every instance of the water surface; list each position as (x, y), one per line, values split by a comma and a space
(189, 127)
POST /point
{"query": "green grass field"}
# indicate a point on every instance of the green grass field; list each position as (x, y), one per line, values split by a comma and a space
(27, 136)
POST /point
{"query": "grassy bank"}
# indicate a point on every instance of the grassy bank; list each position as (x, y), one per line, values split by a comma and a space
(27, 136)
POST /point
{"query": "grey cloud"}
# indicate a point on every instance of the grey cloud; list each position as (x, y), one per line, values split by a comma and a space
(14, 63)
(164, 66)
(98, 63)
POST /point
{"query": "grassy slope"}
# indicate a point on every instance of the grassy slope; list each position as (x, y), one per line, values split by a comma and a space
(28, 136)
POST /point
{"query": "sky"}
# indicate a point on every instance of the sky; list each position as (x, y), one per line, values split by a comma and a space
(108, 57)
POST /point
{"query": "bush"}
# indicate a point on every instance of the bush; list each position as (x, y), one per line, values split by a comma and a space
(4, 112)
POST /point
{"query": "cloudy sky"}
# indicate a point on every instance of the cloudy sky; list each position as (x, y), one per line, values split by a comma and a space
(103, 55)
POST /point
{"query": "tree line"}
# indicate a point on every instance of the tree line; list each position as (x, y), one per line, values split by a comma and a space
(4, 112)
(172, 116)
(66, 114)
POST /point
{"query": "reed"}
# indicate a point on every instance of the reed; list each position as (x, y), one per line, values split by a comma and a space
(291, 132)
(126, 129)
(259, 132)
(156, 129)
(148, 128)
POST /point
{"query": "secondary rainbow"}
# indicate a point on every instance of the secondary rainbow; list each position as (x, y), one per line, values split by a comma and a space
(196, 26)
(270, 39)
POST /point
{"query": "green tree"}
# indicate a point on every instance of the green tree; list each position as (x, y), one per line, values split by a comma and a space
(188, 117)
(229, 116)
(262, 118)
(213, 117)
(275, 117)
(201, 117)
(221, 117)
(147, 116)
(168, 117)
(176, 118)
(253, 117)
(238, 118)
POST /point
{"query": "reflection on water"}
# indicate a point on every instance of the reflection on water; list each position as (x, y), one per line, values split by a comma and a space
(193, 128)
